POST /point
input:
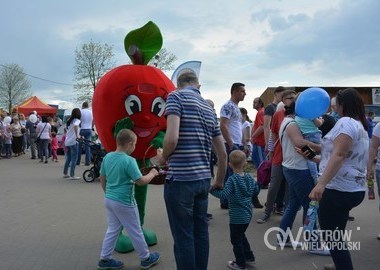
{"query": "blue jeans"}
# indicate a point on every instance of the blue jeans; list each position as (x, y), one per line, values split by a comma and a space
(86, 134)
(258, 154)
(8, 150)
(300, 184)
(44, 149)
(33, 146)
(71, 159)
(186, 205)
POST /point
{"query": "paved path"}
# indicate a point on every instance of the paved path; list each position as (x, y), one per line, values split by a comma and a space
(48, 222)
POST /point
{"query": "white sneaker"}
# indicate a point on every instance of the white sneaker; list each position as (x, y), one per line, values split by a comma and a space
(320, 251)
(289, 244)
(74, 177)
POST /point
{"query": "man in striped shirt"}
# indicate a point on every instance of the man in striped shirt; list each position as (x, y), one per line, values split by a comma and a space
(192, 129)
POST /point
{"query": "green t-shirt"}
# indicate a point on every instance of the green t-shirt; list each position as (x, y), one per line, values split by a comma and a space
(121, 172)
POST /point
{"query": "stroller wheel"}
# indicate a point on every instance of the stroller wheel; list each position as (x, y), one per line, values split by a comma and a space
(89, 175)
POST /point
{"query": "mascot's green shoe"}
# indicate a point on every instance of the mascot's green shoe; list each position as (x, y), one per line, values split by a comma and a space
(123, 244)
(150, 237)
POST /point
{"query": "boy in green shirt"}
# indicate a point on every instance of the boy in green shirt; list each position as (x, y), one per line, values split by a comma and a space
(119, 173)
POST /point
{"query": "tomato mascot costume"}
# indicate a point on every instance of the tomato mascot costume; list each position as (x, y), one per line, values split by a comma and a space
(133, 96)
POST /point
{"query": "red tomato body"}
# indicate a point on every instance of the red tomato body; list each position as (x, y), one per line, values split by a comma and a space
(135, 91)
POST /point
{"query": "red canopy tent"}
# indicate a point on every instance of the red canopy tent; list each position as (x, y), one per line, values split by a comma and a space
(35, 104)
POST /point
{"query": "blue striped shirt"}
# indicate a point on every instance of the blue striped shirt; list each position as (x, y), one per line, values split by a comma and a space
(190, 160)
(238, 190)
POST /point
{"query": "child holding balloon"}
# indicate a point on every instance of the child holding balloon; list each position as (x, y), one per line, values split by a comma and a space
(310, 131)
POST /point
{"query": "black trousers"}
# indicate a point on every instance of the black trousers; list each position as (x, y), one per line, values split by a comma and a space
(334, 208)
(241, 248)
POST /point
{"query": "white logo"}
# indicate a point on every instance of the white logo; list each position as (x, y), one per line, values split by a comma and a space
(316, 239)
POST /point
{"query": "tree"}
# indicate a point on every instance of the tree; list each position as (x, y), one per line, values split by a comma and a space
(163, 60)
(92, 61)
(14, 86)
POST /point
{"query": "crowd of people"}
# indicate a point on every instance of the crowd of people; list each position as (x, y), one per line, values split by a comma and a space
(344, 144)
(35, 134)
(195, 139)
(231, 142)
(335, 176)
(38, 135)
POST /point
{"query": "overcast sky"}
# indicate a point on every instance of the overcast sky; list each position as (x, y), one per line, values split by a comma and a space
(260, 43)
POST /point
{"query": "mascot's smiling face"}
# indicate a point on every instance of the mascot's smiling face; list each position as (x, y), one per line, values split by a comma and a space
(145, 105)
(137, 92)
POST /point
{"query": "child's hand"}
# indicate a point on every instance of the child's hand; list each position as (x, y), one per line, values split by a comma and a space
(216, 186)
(154, 171)
(318, 121)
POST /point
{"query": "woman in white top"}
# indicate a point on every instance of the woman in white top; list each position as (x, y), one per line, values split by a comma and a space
(43, 131)
(296, 172)
(343, 166)
(16, 136)
(72, 126)
(246, 129)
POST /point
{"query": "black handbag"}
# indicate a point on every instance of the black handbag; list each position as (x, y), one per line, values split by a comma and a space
(38, 139)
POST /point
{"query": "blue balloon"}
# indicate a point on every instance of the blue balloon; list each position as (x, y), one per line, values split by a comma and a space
(312, 103)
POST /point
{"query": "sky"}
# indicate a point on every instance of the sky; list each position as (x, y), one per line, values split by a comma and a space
(261, 43)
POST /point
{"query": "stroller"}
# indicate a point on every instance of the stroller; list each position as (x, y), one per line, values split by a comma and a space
(97, 154)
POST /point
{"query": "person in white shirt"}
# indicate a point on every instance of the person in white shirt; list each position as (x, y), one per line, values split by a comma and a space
(43, 131)
(231, 126)
(343, 167)
(86, 127)
(71, 144)
(246, 129)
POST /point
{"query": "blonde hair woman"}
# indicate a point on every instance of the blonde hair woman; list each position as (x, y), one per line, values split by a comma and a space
(17, 136)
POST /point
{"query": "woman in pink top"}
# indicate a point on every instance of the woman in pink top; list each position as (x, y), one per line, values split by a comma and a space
(54, 146)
